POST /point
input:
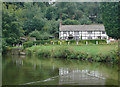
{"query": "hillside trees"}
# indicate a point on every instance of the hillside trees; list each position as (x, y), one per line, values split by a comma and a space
(22, 19)
(111, 18)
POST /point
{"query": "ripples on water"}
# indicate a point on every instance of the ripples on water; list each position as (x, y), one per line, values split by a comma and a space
(21, 70)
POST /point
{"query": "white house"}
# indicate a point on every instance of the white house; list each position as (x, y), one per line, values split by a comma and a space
(84, 32)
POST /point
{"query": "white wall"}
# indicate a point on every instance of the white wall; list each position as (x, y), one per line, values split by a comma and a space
(85, 35)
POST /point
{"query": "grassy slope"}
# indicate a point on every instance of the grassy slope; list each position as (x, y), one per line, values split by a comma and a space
(90, 49)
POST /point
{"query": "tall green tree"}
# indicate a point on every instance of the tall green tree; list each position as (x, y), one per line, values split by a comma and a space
(111, 18)
(11, 27)
(34, 18)
(70, 22)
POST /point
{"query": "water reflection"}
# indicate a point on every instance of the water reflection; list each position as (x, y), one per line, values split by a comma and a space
(51, 71)
(80, 77)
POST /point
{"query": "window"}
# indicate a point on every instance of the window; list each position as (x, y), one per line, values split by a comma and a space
(104, 37)
(76, 38)
(89, 32)
(89, 37)
(76, 33)
(99, 37)
(103, 32)
(64, 32)
(68, 32)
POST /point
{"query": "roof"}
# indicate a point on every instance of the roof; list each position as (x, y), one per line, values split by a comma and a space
(82, 28)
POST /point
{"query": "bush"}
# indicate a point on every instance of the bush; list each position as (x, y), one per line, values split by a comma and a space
(72, 41)
(43, 53)
(44, 42)
(93, 41)
(69, 52)
(61, 52)
(39, 35)
(44, 36)
(41, 42)
(28, 44)
(35, 34)
(29, 51)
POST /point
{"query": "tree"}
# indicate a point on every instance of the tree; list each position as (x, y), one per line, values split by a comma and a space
(50, 13)
(34, 18)
(11, 27)
(111, 18)
(70, 22)
(44, 36)
(35, 34)
(85, 20)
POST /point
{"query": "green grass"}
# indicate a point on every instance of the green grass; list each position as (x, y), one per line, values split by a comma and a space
(107, 53)
(90, 49)
(95, 49)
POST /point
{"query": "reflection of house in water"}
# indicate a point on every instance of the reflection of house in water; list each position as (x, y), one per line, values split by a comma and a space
(18, 60)
(80, 77)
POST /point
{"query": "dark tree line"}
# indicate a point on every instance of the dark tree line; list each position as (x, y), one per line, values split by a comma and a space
(111, 18)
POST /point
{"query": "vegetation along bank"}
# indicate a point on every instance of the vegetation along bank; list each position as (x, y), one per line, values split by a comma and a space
(96, 53)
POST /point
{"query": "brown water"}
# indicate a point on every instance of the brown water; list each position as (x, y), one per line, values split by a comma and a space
(21, 70)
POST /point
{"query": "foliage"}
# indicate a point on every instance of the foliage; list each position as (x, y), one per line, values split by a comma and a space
(93, 41)
(41, 19)
(90, 53)
(35, 34)
(71, 42)
(43, 53)
(110, 15)
(44, 36)
(41, 42)
(28, 44)
(11, 25)
(4, 46)
(70, 22)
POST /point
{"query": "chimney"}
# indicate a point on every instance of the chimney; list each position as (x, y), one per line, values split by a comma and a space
(60, 26)
(60, 22)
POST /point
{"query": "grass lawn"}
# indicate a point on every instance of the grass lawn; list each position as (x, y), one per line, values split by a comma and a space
(90, 49)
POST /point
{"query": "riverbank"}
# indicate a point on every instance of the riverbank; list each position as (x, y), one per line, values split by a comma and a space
(97, 53)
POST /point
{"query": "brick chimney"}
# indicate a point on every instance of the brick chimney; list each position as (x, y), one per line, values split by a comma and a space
(60, 26)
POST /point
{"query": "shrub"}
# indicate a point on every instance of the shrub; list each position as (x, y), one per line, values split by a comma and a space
(93, 41)
(28, 52)
(44, 36)
(72, 41)
(69, 52)
(28, 44)
(41, 42)
(62, 52)
(43, 53)
(4, 45)
(35, 34)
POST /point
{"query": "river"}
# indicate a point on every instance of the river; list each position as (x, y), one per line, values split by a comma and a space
(26, 70)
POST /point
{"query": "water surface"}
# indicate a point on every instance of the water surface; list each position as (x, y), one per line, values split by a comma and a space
(25, 70)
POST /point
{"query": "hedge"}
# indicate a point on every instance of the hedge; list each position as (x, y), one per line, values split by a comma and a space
(41, 42)
(93, 41)
(58, 42)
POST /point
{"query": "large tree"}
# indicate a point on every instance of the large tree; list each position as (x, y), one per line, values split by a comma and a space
(11, 25)
(111, 18)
